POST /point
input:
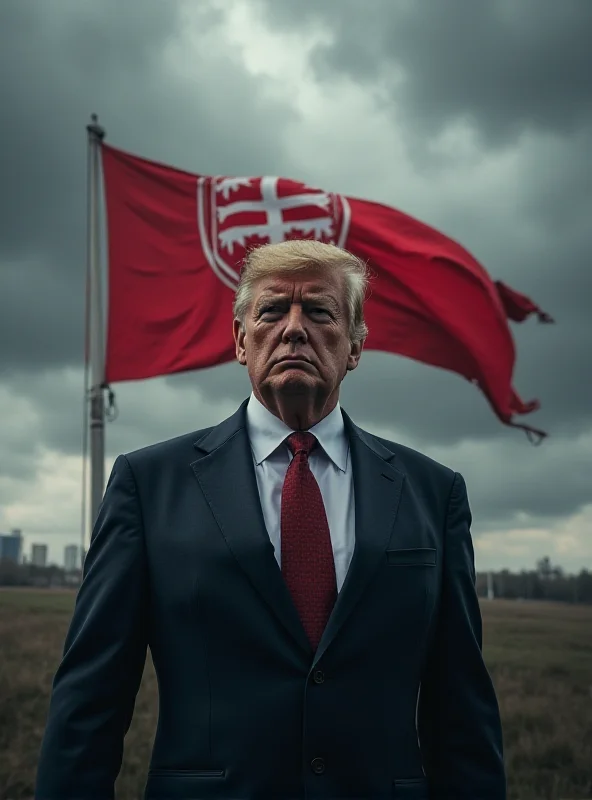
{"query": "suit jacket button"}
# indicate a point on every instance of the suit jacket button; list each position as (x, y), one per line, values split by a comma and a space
(318, 676)
(318, 765)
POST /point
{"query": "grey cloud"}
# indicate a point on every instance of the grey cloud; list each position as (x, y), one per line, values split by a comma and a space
(517, 486)
(503, 66)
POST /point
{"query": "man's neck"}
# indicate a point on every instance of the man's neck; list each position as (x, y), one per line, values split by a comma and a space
(299, 412)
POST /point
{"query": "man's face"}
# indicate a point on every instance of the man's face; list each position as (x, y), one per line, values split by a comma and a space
(296, 336)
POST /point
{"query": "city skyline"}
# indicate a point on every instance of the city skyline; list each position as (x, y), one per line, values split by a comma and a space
(56, 554)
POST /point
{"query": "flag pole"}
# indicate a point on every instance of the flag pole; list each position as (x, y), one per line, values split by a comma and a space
(490, 590)
(96, 353)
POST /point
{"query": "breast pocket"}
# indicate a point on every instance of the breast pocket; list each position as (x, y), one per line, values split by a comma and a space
(170, 784)
(412, 557)
(410, 789)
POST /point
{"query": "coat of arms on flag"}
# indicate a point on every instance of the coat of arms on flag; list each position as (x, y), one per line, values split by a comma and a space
(236, 214)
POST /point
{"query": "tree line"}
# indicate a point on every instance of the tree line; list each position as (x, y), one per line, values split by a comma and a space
(546, 582)
(13, 574)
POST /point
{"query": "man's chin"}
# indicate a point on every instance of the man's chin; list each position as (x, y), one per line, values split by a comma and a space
(295, 382)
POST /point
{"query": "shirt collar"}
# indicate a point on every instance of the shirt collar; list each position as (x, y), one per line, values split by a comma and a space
(267, 432)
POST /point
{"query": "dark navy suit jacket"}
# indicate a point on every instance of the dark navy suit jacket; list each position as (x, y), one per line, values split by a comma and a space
(395, 703)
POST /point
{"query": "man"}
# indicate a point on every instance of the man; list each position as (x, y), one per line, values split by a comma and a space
(306, 589)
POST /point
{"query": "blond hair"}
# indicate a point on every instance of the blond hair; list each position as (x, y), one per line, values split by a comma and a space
(297, 255)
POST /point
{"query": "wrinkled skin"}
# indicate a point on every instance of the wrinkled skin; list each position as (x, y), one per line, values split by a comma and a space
(295, 345)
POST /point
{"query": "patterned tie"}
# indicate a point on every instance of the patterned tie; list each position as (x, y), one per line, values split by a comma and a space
(307, 556)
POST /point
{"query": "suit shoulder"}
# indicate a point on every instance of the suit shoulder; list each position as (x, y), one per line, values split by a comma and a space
(414, 461)
(163, 451)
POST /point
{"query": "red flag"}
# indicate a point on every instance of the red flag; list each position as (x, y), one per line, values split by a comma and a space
(177, 241)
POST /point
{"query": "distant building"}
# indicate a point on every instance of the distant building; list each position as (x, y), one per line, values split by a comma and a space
(39, 555)
(11, 546)
(71, 557)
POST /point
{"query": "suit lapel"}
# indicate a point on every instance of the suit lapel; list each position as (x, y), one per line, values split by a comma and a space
(225, 472)
(226, 475)
(377, 492)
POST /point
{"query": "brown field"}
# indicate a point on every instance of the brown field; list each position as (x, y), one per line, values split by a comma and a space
(540, 657)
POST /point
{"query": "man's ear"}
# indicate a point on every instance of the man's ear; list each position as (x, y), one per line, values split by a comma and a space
(355, 354)
(239, 342)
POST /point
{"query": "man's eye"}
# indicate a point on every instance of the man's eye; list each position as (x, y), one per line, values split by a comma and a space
(318, 310)
(270, 310)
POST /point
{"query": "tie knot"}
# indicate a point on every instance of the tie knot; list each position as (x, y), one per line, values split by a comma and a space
(301, 443)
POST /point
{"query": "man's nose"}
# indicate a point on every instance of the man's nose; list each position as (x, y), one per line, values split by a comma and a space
(295, 329)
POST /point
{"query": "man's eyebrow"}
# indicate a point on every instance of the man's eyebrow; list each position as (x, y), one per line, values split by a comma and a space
(268, 297)
(308, 300)
(327, 299)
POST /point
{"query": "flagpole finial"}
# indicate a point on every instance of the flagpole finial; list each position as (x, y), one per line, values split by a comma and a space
(94, 129)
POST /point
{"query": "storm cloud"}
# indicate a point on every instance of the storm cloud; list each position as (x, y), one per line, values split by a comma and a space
(476, 118)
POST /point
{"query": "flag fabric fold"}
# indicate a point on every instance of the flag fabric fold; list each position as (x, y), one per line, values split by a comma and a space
(519, 307)
(176, 242)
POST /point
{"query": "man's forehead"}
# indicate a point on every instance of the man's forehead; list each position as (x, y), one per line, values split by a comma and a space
(287, 285)
(306, 291)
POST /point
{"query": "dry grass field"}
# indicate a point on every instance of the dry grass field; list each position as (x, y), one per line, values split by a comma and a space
(540, 656)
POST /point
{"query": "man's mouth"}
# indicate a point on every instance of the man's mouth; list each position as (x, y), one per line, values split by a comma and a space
(293, 359)
(295, 362)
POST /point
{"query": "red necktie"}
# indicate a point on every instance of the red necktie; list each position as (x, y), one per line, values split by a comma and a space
(307, 556)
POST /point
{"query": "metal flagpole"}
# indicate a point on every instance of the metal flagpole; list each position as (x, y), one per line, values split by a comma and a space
(96, 324)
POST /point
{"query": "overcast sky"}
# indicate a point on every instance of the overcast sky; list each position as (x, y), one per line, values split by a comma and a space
(474, 117)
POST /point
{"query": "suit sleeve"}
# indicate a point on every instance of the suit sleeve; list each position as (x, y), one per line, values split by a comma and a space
(95, 687)
(459, 724)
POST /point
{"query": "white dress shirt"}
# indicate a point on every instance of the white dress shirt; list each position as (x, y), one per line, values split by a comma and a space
(330, 463)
